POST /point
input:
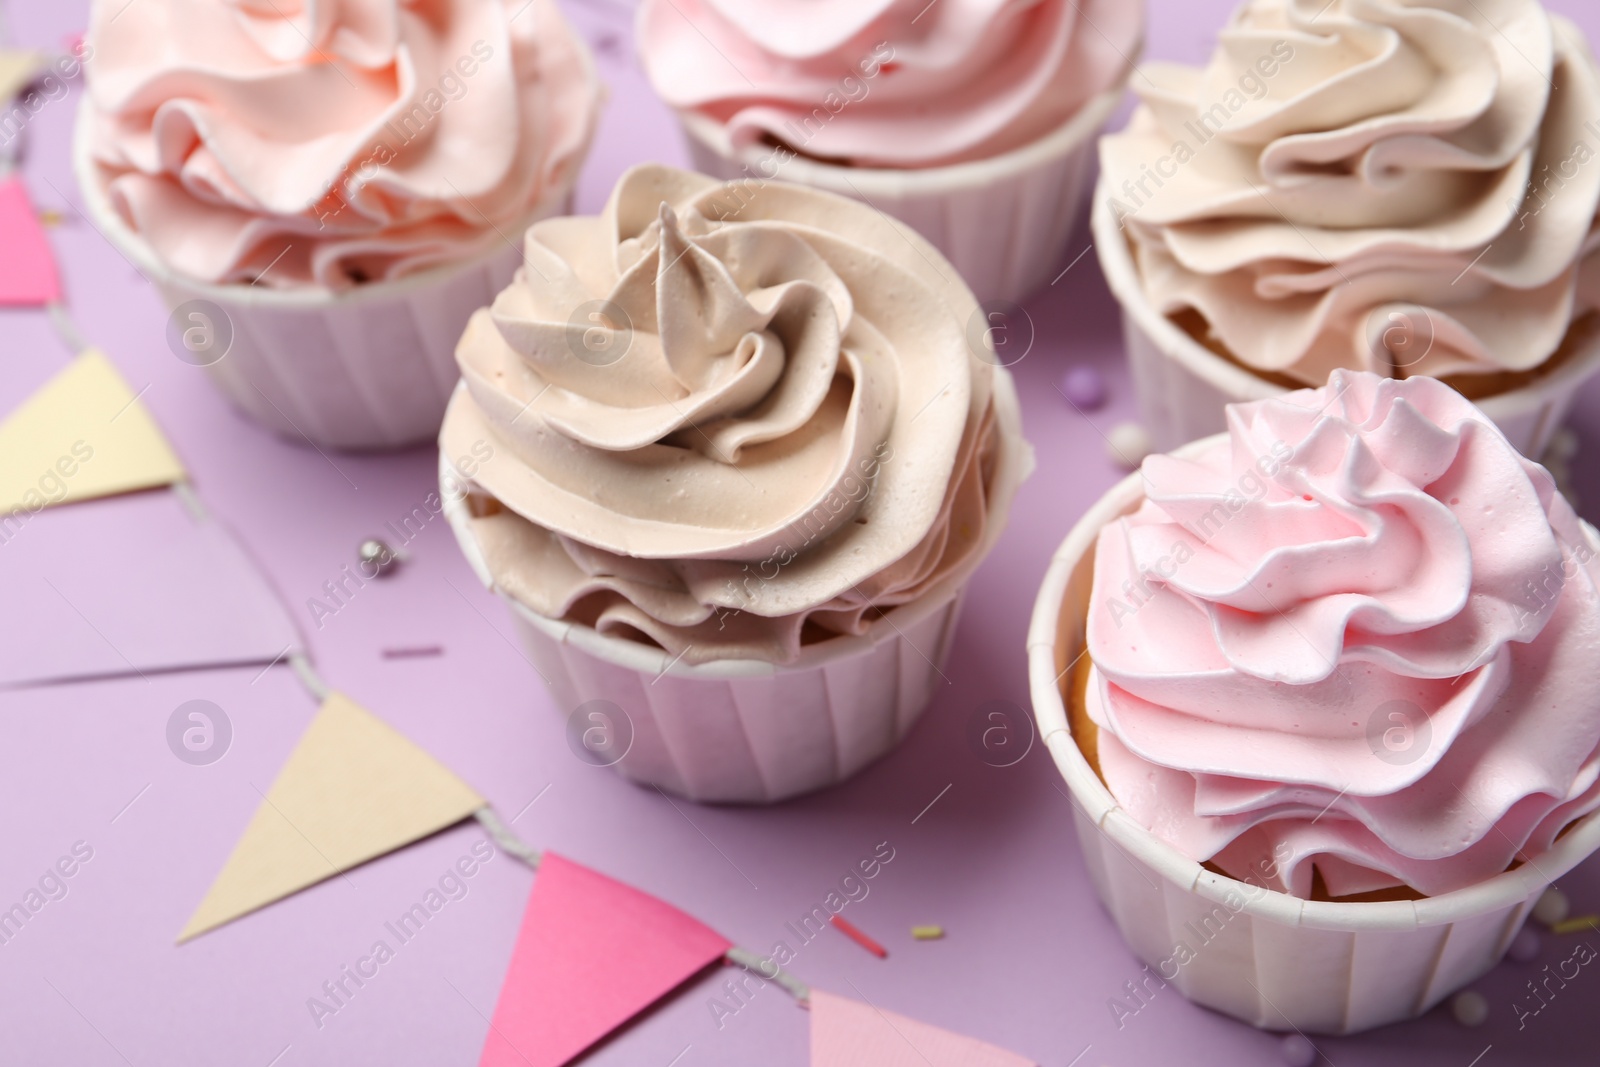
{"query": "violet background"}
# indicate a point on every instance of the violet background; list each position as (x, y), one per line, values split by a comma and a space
(1029, 961)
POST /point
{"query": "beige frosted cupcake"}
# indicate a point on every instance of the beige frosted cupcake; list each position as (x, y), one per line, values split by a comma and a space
(731, 456)
(1403, 189)
(1321, 688)
(324, 193)
(972, 120)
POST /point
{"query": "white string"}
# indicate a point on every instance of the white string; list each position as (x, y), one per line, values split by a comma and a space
(501, 834)
(62, 321)
(743, 957)
(308, 676)
(191, 500)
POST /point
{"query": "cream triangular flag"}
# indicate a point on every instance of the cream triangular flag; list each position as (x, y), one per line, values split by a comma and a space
(16, 70)
(84, 434)
(352, 790)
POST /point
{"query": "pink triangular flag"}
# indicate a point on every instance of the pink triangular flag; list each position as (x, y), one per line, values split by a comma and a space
(27, 269)
(847, 1033)
(592, 953)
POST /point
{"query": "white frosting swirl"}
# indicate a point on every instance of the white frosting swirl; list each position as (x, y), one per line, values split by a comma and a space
(1407, 188)
(730, 419)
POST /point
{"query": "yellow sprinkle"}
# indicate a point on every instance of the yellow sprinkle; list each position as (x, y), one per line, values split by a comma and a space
(927, 933)
(50, 217)
(1578, 925)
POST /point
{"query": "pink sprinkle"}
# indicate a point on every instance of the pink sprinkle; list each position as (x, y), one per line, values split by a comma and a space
(849, 930)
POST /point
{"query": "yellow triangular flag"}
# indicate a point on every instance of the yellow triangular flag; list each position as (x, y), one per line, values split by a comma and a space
(16, 70)
(84, 434)
(352, 790)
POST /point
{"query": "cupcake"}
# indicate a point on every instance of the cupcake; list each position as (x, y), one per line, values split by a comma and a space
(1322, 688)
(1404, 189)
(731, 453)
(969, 119)
(324, 193)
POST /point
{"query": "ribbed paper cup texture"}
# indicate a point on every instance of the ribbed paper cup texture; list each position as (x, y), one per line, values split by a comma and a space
(747, 731)
(1003, 222)
(369, 368)
(1182, 386)
(1269, 959)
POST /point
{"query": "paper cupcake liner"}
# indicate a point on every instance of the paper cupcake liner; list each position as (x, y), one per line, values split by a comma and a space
(1002, 222)
(1269, 959)
(369, 368)
(747, 731)
(1182, 386)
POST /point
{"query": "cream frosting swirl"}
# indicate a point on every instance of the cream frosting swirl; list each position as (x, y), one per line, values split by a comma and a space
(1401, 187)
(1355, 639)
(890, 83)
(325, 143)
(730, 420)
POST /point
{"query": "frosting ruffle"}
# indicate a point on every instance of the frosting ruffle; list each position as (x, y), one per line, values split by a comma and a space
(728, 419)
(1401, 187)
(296, 143)
(1356, 638)
(889, 83)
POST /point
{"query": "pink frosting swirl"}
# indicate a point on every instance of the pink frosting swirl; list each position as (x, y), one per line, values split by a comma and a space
(1354, 638)
(892, 83)
(331, 142)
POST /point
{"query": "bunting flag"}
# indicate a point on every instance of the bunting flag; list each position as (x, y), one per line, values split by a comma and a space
(28, 276)
(83, 434)
(101, 602)
(592, 953)
(17, 69)
(352, 790)
(847, 1033)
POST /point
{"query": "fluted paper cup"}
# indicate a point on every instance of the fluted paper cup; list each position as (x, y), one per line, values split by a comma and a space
(368, 368)
(746, 731)
(1269, 959)
(1183, 386)
(1002, 222)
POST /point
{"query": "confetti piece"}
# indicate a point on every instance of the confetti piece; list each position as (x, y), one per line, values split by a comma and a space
(413, 653)
(927, 933)
(860, 938)
(1576, 926)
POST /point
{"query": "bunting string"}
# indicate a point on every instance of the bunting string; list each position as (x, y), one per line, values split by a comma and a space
(354, 789)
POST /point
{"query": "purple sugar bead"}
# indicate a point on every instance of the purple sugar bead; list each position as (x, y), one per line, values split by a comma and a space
(1298, 1051)
(1525, 946)
(1085, 387)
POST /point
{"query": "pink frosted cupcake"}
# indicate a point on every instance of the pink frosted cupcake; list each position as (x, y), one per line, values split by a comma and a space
(1407, 189)
(325, 192)
(1322, 688)
(969, 119)
(731, 455)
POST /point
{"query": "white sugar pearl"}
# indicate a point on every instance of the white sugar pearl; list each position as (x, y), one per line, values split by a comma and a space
(1552, 907)
(1127, 444)
(1470, 1009)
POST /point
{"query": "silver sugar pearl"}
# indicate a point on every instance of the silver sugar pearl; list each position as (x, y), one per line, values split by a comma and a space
(377, 558)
